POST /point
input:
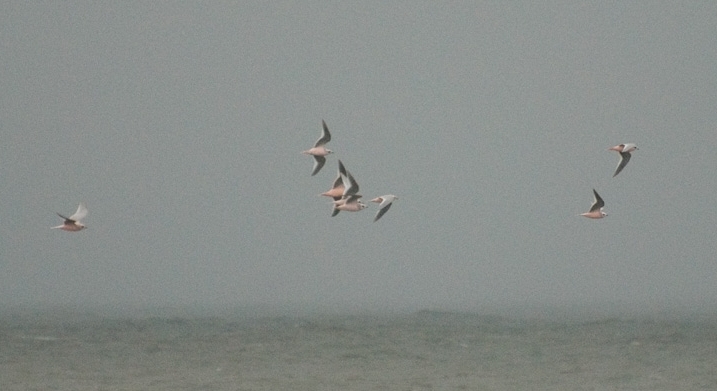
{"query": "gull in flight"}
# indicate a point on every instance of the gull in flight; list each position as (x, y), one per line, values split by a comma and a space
(350, 201)
(625, 151)
(349, 204)
(596, 209)
(319, 150)
(73, 223)
(385, 203)
(337, 191)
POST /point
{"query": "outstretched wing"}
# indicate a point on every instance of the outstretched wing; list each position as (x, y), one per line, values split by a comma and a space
(599, 203)
(318, 163)
(80, 214)
(382, 211)
(351, 187)
(325, 135)
(339, 182)
(625, 157)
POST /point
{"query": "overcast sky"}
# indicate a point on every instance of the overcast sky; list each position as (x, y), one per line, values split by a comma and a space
(181, 127)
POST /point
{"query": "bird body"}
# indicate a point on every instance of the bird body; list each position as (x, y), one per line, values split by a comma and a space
(596, 209)
(73, 223)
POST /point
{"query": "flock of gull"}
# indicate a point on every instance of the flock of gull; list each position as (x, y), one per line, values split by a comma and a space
(344, 190)
(596, 209)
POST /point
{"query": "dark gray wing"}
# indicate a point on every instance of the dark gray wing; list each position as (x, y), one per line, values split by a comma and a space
(325, 135)
(625, 157)
(382, 211)
(353, 198)
(318, 163)
(67, 219)
(339, 180)
(599, 203)
(352, 186)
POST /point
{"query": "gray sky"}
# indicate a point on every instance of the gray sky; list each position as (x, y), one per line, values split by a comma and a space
(181, 127)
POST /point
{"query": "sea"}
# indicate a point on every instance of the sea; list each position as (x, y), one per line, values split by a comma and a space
(59, 349)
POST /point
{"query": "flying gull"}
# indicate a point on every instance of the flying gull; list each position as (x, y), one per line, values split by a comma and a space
(319, 150)
(385, 203)
(73, 223)
(596, 209)
(625, 151)
(350, 200)
(337, 190)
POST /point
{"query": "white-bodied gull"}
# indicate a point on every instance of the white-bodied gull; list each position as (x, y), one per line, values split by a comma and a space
(625, 151)
(319, 150)
(73, 223)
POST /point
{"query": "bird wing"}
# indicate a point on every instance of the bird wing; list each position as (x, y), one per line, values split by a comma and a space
(382, 211)
(351, 186)
(625, 157)
(599, 203)
(325, 135)
(318, 163)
